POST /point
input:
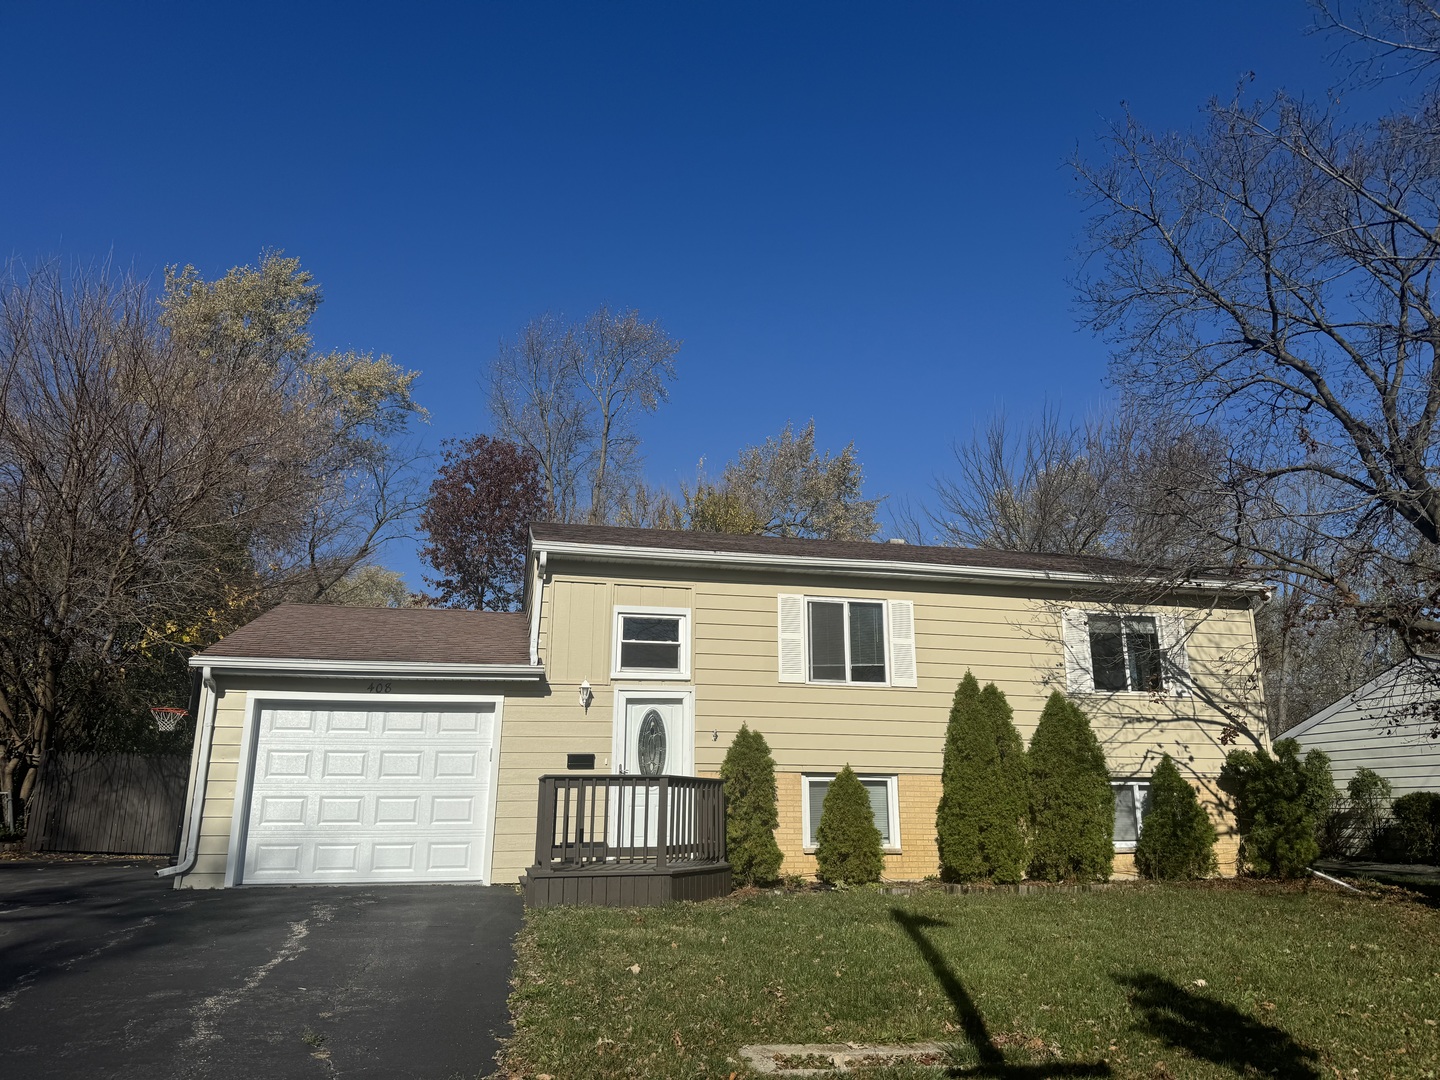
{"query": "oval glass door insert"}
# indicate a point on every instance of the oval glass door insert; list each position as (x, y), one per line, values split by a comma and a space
(652, 744)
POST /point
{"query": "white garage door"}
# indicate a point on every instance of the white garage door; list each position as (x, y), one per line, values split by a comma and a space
(342, 793)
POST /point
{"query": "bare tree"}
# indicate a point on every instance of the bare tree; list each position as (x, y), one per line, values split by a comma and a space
(570, 394)
(536, 401)
(1385, 38)
(1046, 488)
(1271, 276)
(163, 468)
(1126, 483)
(626, 366)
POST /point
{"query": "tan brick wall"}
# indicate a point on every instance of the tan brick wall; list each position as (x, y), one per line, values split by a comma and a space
(919, 796)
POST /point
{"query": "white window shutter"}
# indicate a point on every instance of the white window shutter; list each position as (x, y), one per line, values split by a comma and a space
(792, 638)
(902, 642)
(1075, 627)
(1173, 631)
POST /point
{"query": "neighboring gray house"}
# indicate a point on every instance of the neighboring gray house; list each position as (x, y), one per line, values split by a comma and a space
(1388, 725)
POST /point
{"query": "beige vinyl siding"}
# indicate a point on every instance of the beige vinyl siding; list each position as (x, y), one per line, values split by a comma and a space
(1001, 634)
(1381, 729)
(1009, 639)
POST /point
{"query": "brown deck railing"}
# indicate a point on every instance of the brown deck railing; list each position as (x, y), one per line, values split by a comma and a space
(611, 821)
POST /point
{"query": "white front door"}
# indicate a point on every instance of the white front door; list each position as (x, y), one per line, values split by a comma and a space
(653, 742)
(654, 736)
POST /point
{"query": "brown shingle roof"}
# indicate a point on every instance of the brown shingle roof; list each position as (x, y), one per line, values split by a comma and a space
(718, 543)
(386, 635)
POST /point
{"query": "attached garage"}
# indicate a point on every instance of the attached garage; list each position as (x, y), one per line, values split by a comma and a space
(344, 792)
(352, 746)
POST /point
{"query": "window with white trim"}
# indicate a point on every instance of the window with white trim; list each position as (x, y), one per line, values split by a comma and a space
(847, 640)
(1132, 798)
(831, 639)
(652, 643)
(1117, 653)
(884, 804)
(1125, 653)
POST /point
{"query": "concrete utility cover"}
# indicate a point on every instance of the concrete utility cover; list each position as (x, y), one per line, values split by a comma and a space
(825, 1059)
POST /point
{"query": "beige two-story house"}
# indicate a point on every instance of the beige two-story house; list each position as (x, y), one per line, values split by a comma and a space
(339, 744)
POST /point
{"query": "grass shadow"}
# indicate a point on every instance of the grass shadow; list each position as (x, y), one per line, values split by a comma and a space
(971, 1022)
(1213, 1031)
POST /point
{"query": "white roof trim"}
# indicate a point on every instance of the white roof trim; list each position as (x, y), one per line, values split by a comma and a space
(333, 668)
(1389, 675)
(866, 567)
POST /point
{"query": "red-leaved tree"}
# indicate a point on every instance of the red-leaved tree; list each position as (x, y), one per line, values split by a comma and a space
(482, 501)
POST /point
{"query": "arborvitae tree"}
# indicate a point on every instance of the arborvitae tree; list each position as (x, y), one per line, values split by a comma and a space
(1178, 840)
(1072, 808)
(750, 814)
(957, 820)
(979, 825)
(1279, 802)
(847, 843)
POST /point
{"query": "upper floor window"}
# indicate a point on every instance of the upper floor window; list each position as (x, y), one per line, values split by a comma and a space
(826, 639)
(847, 641)
(652, 643)
(1125, 653)
(1117, 652)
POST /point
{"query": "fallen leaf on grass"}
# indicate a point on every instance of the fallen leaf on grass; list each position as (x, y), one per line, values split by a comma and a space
(1197, 982)
(634, 969)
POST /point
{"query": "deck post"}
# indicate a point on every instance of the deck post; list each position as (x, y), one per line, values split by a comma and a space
(545, 825)
(662, 824)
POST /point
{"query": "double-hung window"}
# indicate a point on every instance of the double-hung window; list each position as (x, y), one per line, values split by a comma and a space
(884, 805)
(830, 639)
(1118, 652)
(847, 641)
(652, 643)
(1131, 798)
(1125, 653)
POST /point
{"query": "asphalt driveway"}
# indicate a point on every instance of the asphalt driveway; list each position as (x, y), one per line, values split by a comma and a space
(107, 972)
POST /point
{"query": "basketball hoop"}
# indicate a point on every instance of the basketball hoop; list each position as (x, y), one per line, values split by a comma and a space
(167, 717)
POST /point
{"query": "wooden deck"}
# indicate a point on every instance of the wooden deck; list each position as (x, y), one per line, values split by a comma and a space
(628, 841)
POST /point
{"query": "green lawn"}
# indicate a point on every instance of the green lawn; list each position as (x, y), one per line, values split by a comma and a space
(1152, 981)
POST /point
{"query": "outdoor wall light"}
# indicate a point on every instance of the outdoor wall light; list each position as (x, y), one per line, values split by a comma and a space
(586, 695)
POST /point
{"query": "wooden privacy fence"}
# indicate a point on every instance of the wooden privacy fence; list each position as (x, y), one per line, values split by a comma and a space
(123, 804)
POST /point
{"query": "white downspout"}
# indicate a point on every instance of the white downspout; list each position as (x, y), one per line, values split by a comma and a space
(538, 600)
(199, 774)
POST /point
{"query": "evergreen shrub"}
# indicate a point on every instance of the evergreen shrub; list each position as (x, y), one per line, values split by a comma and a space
(1177, 842)
(751, 817)
(847, 843)
(1072, 807)
(980, 823)
(1417, 821)
(1356, 821)
(1280, 802)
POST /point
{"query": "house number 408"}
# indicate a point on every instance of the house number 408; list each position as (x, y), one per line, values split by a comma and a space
(379, 687)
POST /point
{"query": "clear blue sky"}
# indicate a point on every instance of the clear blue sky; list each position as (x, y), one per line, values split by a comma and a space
(859, 214)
